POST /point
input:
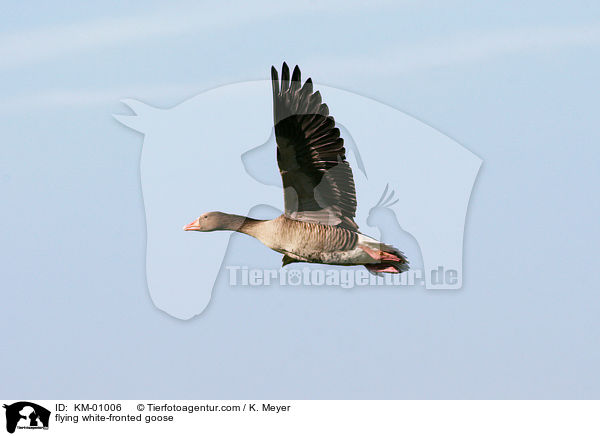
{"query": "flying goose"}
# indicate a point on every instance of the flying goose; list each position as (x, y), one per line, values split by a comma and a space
(319, 195)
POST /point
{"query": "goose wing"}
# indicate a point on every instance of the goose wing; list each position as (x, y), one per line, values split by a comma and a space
(317, 180)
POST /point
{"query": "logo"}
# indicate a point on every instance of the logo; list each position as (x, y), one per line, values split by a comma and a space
(217, 150)
(26, 415)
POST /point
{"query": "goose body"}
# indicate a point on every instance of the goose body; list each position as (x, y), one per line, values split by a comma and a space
(313, 242)
(319, 195)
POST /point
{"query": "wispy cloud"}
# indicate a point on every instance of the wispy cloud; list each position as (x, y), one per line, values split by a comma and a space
(27, 47)
(65, 98)
(462, 50)
(391, 61)
(24, 48)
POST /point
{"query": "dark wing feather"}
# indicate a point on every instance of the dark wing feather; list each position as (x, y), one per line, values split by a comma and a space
(317, 180)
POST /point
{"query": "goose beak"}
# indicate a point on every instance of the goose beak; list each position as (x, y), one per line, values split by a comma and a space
(194, 225)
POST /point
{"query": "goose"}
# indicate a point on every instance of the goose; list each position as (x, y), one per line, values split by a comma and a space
(317, 225)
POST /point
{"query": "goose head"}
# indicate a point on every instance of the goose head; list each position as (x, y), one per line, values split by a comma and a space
(209, 222)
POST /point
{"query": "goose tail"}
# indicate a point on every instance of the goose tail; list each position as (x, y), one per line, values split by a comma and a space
(390, 259)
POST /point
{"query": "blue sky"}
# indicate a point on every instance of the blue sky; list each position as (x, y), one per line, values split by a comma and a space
(515, 83)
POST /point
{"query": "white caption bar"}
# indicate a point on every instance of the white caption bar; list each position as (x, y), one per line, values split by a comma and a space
(156, 417)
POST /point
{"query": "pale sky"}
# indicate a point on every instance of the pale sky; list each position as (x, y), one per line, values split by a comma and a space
(515, 83)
